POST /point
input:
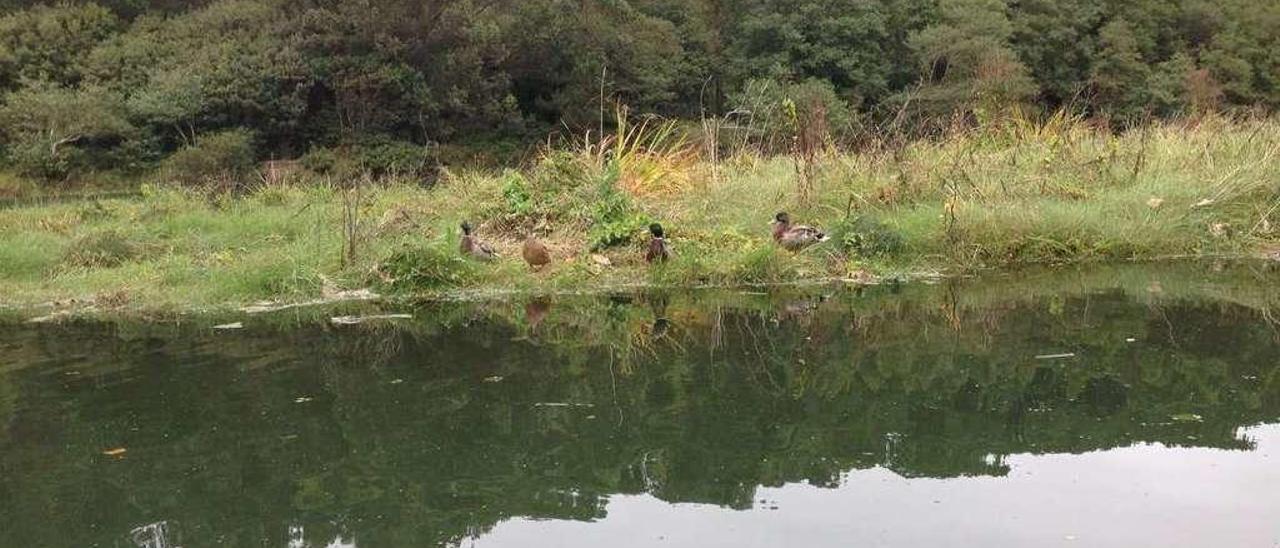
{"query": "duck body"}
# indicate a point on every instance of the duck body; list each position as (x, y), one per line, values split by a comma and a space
(535, 253)
(473, 247)
(795, 237)
(658, 251)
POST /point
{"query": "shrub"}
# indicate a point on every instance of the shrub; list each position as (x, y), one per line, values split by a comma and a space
(379, 157)
(867, 237)
(432, 266)
(224, 159)
(764, 264)
(781, 109)
(104, 249)
(391, 158)
(614, 218)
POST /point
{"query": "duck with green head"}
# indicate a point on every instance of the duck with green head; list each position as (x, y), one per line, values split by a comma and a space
(659, 250)
(473, 247)
(794, 237)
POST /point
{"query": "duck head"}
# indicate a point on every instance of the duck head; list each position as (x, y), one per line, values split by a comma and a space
(781, 223)
(656, 230)
(466, 228)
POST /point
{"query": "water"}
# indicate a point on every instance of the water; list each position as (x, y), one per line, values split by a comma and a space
(916, 415)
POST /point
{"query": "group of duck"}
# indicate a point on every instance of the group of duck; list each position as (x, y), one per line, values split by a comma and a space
(535, 253)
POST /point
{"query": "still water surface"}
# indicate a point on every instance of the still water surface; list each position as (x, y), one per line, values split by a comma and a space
(1129, 406)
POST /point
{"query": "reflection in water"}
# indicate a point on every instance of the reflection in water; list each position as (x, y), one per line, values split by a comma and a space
(810, 417)
(1132, 496)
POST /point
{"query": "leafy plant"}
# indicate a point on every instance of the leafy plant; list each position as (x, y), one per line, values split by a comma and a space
(614, 218)
(865, 236)
(224, 160)
(431, 266)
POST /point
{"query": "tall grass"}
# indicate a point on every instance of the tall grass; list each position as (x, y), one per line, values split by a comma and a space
(1021, 191)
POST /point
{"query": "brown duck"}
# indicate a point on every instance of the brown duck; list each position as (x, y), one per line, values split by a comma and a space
(535, 252)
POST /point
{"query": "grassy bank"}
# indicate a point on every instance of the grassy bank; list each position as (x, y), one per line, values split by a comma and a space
(1005, 195)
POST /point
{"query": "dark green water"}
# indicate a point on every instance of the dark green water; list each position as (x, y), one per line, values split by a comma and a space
(917, 415)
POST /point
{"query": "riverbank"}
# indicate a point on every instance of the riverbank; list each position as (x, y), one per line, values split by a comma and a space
(993, 198)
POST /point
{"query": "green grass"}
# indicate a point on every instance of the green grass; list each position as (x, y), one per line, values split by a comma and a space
(1000, 196)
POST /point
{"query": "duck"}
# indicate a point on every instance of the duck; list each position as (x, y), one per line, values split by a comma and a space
(794, 237)
(473, 247)
(535, 252)
(658, 249)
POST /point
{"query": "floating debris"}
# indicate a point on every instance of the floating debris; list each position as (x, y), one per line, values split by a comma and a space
(495, 378)
(1187, 417)
(353, 320)
(302, 399)
(116, 452)
(1056, 356)
(234, 325)
(562, 404)
(397, 381)
(1130, 339)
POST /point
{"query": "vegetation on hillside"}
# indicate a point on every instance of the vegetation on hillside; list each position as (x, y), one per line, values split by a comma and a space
(117, 85)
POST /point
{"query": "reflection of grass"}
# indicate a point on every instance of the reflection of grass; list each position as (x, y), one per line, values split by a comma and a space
(1000, 196)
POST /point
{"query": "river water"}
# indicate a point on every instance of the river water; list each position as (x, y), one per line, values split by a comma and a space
(1105, 406)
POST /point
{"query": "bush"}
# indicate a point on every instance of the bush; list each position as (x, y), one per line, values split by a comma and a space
(224, 159)
(104, 249)
(554, 190)
(866, 237)
(781, 109)
(614, 218)
(378, 157)
(764, 264)
(432, 266)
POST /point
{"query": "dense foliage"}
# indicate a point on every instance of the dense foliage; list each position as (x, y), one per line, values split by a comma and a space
(124, 83)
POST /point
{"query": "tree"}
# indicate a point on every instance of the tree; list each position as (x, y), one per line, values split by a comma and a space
(49, 43)
(966, 62)
(839, 42)
(1245, 56)
(1120, 76)
(43, 124)
(1055, 39)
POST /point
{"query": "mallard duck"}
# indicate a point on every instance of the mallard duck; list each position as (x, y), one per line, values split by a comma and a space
(535, 252)
(658, 248)
(473, 247)
(794, 237)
